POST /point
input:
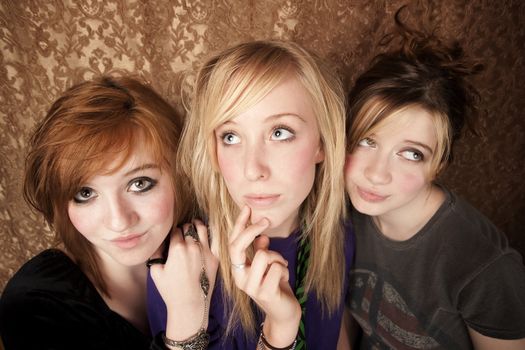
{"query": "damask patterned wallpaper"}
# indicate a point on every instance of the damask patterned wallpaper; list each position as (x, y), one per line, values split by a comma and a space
(47, 46)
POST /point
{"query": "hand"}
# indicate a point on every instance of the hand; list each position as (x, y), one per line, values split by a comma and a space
(178, 281)
(264, 279)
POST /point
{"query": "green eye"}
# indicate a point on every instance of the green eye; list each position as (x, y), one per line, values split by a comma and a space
(367, 142)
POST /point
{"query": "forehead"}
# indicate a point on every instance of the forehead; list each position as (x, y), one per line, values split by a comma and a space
(287, 98)
(137, 154)
(413, 124)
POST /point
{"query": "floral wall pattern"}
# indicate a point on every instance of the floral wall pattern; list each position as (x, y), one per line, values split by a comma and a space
(47, 46)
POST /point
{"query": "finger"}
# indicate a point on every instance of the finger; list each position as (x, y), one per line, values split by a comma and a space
(272, 281)
(261, 242)
(262, 260)
(158, 261)
(160, 256)
(240, 223)
(277, 274)
(189, 233)
(237, 247)
(175, 239)
(202, 232)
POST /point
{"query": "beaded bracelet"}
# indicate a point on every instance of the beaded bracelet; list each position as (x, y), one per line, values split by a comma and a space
(263, 343)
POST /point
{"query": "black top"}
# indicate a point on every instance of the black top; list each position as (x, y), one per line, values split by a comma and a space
(51, 304)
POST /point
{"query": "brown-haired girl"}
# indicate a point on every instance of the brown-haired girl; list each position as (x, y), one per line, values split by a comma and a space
(102, 170)
(430, 271)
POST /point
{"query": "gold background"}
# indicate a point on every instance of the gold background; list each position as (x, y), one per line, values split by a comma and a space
(47, 46)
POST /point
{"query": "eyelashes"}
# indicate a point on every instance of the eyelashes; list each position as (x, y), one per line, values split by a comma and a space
(137, 185)
(278, 133)
(283, 133)
(230, 138)
(410, 154)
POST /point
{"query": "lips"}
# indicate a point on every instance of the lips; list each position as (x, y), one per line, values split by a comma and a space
(261, 200)
(128, 241)
(369, 196)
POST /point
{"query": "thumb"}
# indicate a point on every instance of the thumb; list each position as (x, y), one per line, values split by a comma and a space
(261, 242)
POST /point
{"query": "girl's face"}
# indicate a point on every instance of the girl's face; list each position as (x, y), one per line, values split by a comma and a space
(389, 172)
(268, 155)
(127, 214)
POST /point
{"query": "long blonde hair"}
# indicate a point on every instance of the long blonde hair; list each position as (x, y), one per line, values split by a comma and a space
(230, 83)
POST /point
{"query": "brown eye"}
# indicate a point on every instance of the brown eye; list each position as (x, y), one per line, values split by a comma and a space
(141, 184)
(84, 195)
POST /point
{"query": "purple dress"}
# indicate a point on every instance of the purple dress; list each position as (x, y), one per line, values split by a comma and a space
(321, 332)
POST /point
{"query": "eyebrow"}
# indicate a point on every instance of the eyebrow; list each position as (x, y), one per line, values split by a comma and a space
(274, 116)
(142, 167)
(420, 144)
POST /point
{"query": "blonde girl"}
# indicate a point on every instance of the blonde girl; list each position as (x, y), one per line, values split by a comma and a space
(264, 146)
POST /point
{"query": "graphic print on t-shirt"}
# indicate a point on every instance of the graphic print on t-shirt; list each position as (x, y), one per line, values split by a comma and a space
(384, 315)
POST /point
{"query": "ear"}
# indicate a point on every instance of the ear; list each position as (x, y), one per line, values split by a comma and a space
(319, 156)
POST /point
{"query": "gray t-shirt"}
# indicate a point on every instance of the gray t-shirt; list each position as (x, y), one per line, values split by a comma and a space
(422, 293)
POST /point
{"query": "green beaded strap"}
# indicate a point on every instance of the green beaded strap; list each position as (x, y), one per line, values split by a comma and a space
(303, 254)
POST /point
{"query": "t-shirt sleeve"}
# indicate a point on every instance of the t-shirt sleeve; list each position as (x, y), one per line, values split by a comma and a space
(493, 303)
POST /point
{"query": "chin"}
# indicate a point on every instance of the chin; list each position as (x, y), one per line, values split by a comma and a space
(364, 207)
(258, 215)
(133, 259)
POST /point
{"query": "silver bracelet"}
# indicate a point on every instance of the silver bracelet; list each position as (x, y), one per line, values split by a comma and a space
(263, 343)
(198, 341)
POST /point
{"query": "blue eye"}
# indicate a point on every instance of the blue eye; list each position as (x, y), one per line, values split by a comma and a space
(141, 184)
(412, 155)
(84, 195)
(282, 134)
(229, 138)
(367, 142)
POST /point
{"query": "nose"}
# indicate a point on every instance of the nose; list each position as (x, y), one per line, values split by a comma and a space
(378, 171)
(120, 215)
(255, 164)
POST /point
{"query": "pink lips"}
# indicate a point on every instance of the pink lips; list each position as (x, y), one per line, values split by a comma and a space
(261, 200)
(370, 196)
(127, 242)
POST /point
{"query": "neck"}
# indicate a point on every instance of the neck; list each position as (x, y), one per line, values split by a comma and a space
(403, 223)
(284, 230)
(127, 289)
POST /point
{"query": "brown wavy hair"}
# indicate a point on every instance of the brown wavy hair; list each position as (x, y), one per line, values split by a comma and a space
(82, 133)
(422, 71)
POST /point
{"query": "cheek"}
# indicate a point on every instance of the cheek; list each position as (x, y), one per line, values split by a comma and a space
(297, 162)
(228, 166)
(85, 221)
(297, 171)
(162, 208)
(410, 182)
(353, 164)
